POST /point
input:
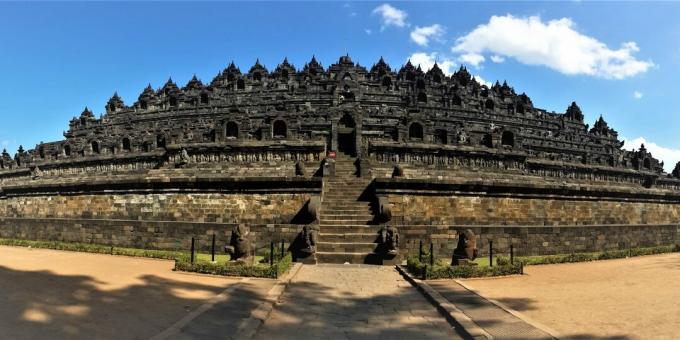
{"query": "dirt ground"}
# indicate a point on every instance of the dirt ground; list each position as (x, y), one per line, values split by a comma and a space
(635, 298)
(58, 294)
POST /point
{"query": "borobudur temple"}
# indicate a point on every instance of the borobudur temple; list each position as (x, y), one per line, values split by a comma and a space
(353, 162)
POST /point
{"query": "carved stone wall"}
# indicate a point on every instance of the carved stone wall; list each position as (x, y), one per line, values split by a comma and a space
(187, 207)
(485, 210)
(166, 235)
(537, 240)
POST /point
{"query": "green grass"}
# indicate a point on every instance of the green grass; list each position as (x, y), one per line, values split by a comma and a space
(260, 269)
(207, 257)
(94, 248)
(202, 261)
(596, 256)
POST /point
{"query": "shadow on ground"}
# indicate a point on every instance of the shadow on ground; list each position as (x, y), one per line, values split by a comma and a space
(41, 304)
(312, 310)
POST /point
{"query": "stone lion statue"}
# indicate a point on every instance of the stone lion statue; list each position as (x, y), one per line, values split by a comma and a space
(388, 240)
(466, 248)
(239, 245)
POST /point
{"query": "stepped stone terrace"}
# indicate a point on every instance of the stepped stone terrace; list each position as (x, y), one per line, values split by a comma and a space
(419, 150)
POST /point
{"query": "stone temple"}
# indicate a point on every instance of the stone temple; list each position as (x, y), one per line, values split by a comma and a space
(344, 151)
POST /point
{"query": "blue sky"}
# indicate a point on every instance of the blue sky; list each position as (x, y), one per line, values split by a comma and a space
(621, 60)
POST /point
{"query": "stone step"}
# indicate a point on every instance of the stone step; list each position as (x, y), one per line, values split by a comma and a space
(333, 206)
(324, 221)
(343, 194)
(348, 212)
(340, 216)
(342, 257)
(340, 194)
(352, 182)
(349, 229)
(342, 199)
(357, 258)
(343, 209)
(345, 237)
(351, 210)
(345, 247)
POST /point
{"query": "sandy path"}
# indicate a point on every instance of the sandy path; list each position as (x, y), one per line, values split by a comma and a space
(58, 294)
(637, 297)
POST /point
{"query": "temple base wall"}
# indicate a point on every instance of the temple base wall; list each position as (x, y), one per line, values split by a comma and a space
(540, 240)
(255, 208)
(165, 235)
(173, 235)
(489, 210)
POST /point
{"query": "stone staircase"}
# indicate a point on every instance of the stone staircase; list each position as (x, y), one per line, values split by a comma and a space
(345, 223)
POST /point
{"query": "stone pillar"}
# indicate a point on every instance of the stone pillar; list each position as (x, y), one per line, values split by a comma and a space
(334, 136)
(357, 135)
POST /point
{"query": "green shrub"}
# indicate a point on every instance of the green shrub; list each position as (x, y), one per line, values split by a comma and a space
(93, 248)
(445, 271)
(502, 261)
(183, 263)
(594, 256)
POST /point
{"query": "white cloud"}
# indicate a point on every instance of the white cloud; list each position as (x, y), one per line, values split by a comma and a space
(426, 61)
(422, 35)
(482, 81)
(554, 44)
(497, 59)
(368, 31)
(473, 59)
(637, 95)
(669, 156)
(391, 16)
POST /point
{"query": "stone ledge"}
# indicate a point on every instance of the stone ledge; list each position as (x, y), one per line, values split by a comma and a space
(155, 184)
(504, 188)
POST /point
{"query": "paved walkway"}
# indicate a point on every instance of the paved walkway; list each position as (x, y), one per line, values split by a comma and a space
(493, 319)
(354, 302)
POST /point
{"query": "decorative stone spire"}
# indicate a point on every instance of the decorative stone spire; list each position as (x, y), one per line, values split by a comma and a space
(313, 68)
(114, 104)
(676, 171)
(258, 68)
(408, 71)
(379, 69)
(284, 70)
(87, 113)
(602, 128)
(148, 91)
(435, 73)
(194, 84)
(462, 76)
(574, 112)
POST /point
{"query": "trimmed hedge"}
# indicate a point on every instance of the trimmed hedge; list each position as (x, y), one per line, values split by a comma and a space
(443, 271)
(605, 255)
(183, 263)
(93, 248)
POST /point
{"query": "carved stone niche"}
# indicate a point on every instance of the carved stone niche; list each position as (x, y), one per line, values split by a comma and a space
(398, 171)
(300, 168)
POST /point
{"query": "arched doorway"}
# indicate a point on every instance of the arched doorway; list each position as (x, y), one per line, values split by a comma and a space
(347, 135)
